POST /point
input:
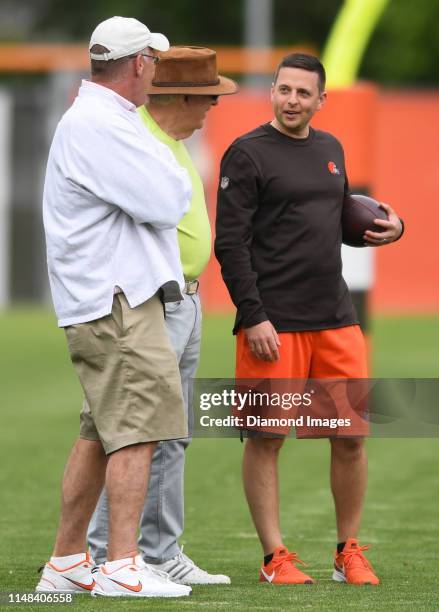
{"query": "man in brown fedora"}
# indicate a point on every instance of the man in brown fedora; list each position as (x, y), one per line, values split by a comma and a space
(185, 86)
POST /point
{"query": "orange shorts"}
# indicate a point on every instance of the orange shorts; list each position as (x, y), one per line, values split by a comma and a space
(326, 354)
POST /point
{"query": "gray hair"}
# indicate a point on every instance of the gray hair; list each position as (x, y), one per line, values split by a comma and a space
(163, 99)
(110, 70)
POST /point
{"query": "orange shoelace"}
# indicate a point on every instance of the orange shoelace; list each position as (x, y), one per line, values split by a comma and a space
(281, 559)
(353, 557)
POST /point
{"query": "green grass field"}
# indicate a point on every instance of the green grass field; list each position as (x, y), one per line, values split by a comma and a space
(40, 399)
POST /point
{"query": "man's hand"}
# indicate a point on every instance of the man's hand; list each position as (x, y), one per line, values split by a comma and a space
(393, 229)
(263, 341)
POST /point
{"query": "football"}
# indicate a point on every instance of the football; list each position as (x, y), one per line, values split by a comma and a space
(358, 215)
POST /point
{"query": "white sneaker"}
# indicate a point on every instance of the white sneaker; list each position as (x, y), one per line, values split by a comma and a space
(182, 570)
(75, 579)
(135, 579)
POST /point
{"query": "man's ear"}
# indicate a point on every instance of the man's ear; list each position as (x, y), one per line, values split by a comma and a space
(139, 65)
(322, 100)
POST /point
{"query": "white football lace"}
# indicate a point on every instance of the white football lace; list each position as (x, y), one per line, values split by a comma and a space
(157, 572)
(186, 559)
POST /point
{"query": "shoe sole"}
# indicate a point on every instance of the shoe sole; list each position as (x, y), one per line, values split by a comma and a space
(201, 583)
(51, 591)
(340, 577)
(136, 595)
(286, 583)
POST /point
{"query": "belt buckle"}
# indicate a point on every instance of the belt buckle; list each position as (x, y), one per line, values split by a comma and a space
(191, 287)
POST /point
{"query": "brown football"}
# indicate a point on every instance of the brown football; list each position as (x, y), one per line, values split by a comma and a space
(358, 215)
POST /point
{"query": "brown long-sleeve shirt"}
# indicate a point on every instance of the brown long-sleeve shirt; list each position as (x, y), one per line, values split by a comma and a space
(278, 230)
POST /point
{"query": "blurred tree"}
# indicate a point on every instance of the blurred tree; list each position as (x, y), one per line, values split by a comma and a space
(304, 22)
(402, 51)
(183, 21)
(19, 19)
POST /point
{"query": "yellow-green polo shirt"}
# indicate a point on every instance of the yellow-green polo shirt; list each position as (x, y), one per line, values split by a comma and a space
(194, 233)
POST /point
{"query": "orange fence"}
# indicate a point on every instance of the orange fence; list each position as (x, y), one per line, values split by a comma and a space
(50, 57)
(406, 168)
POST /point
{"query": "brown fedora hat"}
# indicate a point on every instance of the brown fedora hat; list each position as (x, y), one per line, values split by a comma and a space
(190, 70)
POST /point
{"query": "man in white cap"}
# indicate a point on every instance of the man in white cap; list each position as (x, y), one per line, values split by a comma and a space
(113, 196)
(185, 86)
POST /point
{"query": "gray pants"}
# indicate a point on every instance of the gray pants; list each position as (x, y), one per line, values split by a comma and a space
(163, 514)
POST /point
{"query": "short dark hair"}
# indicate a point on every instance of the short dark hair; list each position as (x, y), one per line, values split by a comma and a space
(305, 62)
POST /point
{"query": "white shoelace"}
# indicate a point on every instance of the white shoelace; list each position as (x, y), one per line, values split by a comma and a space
(160, 573)
(151, 569)
(187, 560)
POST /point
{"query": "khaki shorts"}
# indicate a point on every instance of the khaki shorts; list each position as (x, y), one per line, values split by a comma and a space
(130, 377)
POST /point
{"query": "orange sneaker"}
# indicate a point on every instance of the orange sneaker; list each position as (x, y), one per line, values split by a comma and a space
(351, 565)
(282, 569)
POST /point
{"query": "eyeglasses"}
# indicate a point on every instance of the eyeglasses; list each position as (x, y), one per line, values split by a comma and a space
(155, 58)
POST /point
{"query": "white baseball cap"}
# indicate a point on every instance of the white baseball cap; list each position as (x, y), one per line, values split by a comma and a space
(124, 36)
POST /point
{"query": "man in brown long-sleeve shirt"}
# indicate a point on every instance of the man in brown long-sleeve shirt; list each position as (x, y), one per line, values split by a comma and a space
(278, 243)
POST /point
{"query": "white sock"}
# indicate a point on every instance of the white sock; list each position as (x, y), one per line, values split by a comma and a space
(112, 566)
(67, 561)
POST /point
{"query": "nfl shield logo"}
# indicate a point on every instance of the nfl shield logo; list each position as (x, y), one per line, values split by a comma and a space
(225, 182)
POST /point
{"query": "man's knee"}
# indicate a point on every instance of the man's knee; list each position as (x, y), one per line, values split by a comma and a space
(131, 456)
(265, 445)
(350, 448)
